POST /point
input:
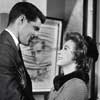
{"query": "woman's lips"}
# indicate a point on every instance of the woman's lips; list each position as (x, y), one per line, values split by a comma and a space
(59, 58)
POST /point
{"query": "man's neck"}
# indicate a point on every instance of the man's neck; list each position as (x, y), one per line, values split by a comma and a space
(13, 29)
(13, 36)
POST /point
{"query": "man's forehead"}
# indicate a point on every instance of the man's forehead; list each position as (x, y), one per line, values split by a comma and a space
(35, 23)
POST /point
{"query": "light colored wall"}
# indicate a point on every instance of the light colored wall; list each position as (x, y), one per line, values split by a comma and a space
(6, 5)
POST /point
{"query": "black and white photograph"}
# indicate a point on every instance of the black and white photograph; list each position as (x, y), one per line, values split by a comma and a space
(49, 50)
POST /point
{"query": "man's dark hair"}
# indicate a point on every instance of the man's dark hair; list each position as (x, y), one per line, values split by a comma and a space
(28, 9)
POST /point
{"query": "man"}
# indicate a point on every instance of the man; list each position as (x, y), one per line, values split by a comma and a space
(24, 21)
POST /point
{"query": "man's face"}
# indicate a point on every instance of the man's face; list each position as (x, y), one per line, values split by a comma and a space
(28, 31)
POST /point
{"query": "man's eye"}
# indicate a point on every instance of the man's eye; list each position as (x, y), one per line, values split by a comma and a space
(36, 28)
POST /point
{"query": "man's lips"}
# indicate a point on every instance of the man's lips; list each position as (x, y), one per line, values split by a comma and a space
(32, 37)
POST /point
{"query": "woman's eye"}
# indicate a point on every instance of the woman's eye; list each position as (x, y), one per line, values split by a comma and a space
(39, 51)
(65, 48)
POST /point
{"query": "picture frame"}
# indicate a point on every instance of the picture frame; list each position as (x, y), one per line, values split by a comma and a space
(41, 60)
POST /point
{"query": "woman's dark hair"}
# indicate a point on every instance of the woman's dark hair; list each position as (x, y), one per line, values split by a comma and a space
(92, 51)
(80, 50)
(28, 9)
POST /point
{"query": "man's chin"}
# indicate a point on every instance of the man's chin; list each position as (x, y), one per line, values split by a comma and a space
(59, 64)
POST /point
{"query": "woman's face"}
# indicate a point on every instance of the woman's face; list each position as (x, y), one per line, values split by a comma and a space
(66, 55)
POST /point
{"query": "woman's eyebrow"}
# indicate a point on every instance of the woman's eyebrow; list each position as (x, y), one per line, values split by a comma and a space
(68, 48)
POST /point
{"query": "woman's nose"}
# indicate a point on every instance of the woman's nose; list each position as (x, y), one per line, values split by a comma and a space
(59, 52)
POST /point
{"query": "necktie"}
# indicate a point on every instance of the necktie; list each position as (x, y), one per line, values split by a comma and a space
(20, 54)
(22, 70)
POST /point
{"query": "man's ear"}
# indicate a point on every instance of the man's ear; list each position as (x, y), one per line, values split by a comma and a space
(21, 19)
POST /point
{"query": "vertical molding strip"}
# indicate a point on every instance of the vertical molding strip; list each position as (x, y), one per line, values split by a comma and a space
(85, 13)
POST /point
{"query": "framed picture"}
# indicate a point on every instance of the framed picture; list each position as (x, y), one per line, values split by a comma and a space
(40, 56)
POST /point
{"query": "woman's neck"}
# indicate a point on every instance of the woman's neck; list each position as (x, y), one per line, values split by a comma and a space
(69, 68)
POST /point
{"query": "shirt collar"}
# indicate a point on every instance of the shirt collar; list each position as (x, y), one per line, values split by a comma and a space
(13, 36)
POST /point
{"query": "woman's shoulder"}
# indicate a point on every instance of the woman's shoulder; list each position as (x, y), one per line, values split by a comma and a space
(75, 82)
(74, 88)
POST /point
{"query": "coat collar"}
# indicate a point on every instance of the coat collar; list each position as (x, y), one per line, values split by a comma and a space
(6, 38)
(61, 79)
(13, 36)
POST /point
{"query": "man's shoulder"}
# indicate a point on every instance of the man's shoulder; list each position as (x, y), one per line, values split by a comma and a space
(3, 35)
(3, 32)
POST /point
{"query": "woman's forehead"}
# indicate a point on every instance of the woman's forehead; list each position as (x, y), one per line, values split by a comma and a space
(70, 44)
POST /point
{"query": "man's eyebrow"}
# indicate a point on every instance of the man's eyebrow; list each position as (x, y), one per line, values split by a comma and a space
(36, 27)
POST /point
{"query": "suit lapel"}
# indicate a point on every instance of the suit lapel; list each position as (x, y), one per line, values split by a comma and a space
(6, 38)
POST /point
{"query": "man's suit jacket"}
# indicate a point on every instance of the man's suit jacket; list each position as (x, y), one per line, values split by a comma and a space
(15, 83)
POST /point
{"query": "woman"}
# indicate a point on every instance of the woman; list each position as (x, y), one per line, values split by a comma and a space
(72, 84)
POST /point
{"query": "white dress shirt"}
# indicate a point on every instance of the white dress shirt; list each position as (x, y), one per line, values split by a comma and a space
(13, 36)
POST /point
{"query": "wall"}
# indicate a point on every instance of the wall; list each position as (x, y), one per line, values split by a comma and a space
(74, 15)
(69, 6)
(56, 8)
(3, 21)
(6, 5)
